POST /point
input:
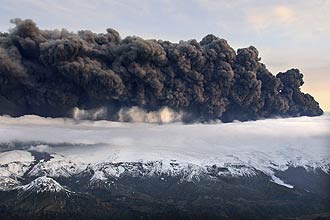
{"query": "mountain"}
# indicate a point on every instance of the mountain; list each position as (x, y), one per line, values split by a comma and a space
(154, 190)
(43, 184)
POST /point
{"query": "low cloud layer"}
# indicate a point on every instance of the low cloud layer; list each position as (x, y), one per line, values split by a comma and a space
(301, 141)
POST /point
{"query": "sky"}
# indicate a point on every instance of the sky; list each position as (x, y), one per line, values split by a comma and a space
(288, 34)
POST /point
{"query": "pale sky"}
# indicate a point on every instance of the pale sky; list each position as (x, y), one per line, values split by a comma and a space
(287, 34)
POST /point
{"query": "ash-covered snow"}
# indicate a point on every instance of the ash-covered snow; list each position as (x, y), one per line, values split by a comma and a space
(114, 149)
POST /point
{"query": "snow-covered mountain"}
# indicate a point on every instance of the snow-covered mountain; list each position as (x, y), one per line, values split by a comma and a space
(61, 167)
(43, 184)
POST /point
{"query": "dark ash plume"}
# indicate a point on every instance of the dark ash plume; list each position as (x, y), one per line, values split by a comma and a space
(49, 73)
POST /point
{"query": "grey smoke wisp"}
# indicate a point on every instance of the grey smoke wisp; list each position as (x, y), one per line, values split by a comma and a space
(51, 72)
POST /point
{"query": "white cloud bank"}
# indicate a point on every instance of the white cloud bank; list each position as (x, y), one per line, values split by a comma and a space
(301, 140)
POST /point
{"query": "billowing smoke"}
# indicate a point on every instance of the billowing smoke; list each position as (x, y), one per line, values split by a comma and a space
(49, 73)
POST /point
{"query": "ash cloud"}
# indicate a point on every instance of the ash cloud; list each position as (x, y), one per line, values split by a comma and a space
(50, 72)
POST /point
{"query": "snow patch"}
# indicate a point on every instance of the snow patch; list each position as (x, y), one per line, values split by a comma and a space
(278, 181)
